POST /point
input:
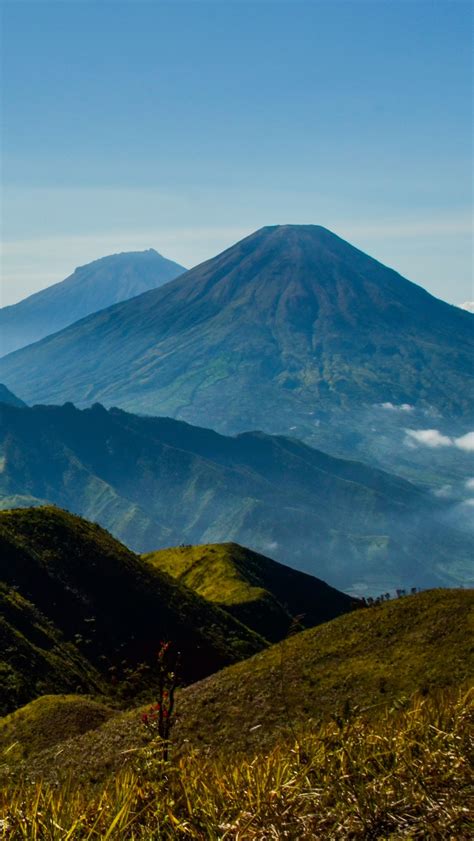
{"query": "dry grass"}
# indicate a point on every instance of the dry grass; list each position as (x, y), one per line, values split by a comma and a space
(407, 775)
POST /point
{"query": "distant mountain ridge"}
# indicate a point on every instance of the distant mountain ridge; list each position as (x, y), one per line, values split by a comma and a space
(90, 288)
(292, 330)
(7, 396)
(157, 482)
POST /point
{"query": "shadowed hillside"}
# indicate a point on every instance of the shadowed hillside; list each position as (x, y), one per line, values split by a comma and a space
(79, 610)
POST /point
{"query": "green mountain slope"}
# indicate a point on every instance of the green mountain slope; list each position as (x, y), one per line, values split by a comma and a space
(155, 482)
(71, 592)
(365, 659)
(263, 594)
(361, 663)
(90, 288)
(293, 331)
(48, 721)
(35, 657)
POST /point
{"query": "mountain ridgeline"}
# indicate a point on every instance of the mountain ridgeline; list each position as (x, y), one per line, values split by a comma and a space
(10, 399)
(268, 597)
(79, 611)
(291, 330)
(157, 482)
(89, 289)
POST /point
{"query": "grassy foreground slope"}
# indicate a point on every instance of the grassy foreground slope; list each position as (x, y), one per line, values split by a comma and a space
(360, 663)
(98, 608)
(405, 776)
(363, 660)
(263, 594)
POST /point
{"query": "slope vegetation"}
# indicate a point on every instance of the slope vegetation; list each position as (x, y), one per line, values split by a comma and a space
(35, 658)
(155, 482)
(90, 288)
(266, 596)
(361, 664)
(361, 661)
(47, 722)
(84, 603)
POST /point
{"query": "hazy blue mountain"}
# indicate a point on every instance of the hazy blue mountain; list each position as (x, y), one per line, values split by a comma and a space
(291, 330)
(7, 396)
(90, 288)
(157, 482)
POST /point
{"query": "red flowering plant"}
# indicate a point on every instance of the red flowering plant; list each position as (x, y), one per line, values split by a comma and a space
(160, 717)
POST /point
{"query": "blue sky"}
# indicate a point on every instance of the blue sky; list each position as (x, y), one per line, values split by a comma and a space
(184, 126)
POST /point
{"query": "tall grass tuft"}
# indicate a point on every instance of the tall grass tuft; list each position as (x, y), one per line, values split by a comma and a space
(405, 776)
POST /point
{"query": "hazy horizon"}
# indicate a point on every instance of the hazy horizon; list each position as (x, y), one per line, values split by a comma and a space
(185, 126)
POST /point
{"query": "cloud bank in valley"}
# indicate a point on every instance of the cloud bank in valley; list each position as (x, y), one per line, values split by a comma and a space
(434, 438)
(392, 407)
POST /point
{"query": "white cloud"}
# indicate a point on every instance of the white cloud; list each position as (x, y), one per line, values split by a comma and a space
(270, 546)
(444, 492)
(465, 442)
(401, 407)
(470, 484)
(469, 502)
(467, 305)
(435, 438)
(429, 437)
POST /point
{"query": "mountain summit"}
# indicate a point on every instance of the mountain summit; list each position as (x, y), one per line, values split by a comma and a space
(90, 288)
(287, 329)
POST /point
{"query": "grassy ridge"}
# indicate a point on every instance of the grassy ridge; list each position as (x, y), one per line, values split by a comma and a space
(363, 661)
(406, 775)
(261, 593)
(46, 722)
(99, 611)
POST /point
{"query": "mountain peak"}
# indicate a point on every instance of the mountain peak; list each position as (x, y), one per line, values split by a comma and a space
(90, 288)
(281, 330)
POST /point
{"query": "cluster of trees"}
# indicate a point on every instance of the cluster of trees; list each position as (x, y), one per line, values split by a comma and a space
(385, 597)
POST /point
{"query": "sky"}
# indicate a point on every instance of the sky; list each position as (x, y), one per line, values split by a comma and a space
(185, 125)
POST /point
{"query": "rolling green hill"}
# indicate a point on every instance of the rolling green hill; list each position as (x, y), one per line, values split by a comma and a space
(359, 664)
(263, 594)
(90, 288)
(361, 661)
(292, 331)
(48, 721)
(156, 482)
(80, 611)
